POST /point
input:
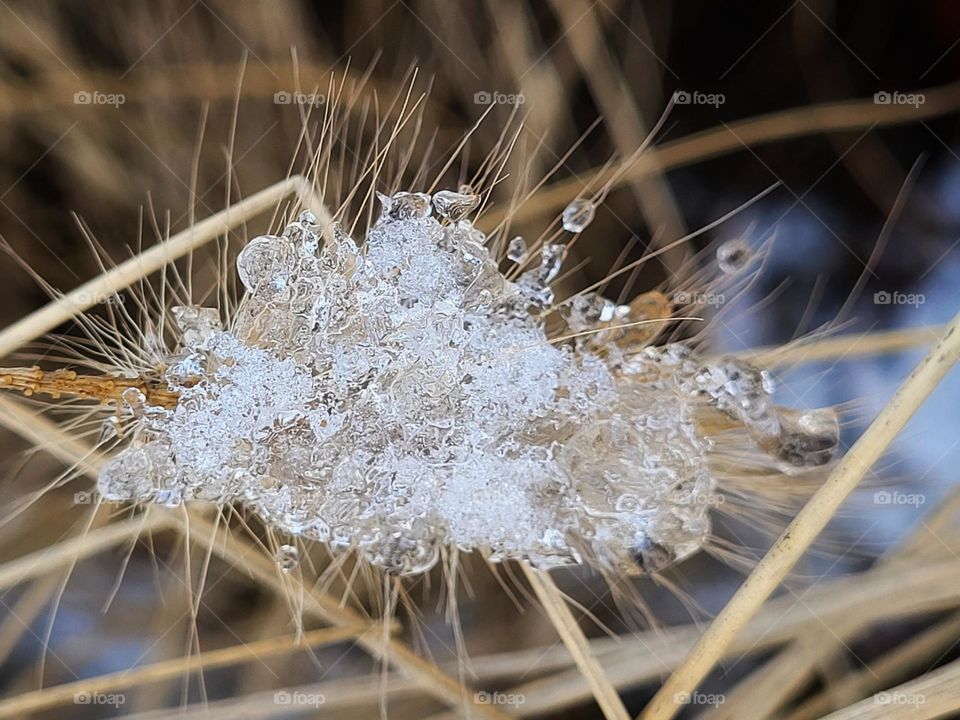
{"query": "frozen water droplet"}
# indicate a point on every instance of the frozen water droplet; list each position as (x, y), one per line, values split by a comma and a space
(807, 438)
(135, 401)
(262, 263)
(187, 369)
(404, 206)
(607, 310)
(343, 241)
(589, 309)
(168, 497)
(517, 249)
(288, 558)
(471, 234)
(767, 382)
(535, 290)
(535, 284)
(733, 256)
(551, 259)
(198, 325)
(577, 215)
(454, 205)
(341, 252)
(652, 557)
(109, 429)
(734, 387)
(303, 232)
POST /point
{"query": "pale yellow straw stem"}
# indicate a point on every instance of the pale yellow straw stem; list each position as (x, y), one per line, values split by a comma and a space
(798, 536)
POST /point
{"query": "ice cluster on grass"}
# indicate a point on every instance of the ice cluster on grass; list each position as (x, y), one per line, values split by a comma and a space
(404, 396)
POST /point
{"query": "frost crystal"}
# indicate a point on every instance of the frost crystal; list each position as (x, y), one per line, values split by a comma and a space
(405, 396)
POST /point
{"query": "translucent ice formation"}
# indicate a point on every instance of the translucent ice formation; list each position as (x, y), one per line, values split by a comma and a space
(405, 395)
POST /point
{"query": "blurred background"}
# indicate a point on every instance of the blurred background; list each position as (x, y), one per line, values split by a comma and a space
(111, 112)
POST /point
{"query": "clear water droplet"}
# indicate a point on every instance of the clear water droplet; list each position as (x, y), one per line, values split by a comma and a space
(517, 249)
(578, 214)
(733, 256)
(454, 205)
(288, 558)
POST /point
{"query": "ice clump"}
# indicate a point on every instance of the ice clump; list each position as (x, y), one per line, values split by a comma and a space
(406, 396)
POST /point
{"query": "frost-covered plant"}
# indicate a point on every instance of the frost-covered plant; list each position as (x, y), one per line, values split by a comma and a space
(405, 395)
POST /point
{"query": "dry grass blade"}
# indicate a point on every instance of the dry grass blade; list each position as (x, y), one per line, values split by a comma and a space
(912, 654)
(733, 137)
(559, 613)
(798, 536)
(128, 272)
(67, 552)
(243, 555)
(770, 686)
(30, 702)
(934, 695)
(251, 560)
(846, 346)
